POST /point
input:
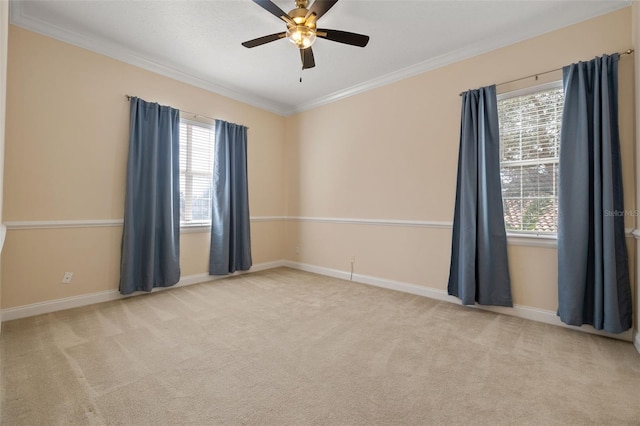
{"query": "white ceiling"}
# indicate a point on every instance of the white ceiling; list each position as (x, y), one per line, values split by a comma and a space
(198, 42)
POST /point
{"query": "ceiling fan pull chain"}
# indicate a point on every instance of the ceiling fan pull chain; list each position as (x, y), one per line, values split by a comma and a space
(301, 69)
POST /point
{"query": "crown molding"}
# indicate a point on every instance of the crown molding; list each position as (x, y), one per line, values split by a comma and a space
(470, 51)
(118, 52)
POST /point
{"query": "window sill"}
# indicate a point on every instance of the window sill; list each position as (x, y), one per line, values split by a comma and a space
(533, 240)
(193, 228)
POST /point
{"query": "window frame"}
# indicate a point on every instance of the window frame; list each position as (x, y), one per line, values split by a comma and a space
(531, 238)
(194, 225)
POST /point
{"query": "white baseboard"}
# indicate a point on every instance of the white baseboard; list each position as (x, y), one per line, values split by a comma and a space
(59, 304)
(108, 295)
(520, 311)
(378, 282)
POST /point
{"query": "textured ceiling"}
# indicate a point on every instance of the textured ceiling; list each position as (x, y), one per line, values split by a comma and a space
(199, 41)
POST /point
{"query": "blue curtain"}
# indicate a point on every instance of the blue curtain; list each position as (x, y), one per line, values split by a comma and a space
(479, 270)
(151, 234)
(230, 230)
(593, 269)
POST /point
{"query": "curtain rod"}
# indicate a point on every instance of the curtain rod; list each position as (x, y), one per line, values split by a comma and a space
(185, 112)
(626, 52)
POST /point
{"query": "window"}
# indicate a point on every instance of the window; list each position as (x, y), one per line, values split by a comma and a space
(529, 147)
(197, 141)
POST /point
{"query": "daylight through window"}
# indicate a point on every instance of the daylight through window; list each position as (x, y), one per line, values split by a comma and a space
(196, 172)
(529, 147)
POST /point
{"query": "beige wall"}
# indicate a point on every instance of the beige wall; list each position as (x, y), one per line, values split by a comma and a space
(391, 154)
(66, 150)
(4, 36)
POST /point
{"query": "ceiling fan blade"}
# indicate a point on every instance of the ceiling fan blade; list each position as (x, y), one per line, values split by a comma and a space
(343, 37)
(320, 7)
(307, 58)
(264, 40)
(273, 9)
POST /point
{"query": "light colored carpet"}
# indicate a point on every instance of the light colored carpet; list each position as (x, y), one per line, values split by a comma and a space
(287, 347)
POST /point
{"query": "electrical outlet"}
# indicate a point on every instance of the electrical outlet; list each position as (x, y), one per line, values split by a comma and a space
(66, 278)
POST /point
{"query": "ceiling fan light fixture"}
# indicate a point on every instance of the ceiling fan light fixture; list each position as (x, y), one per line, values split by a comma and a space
(302, 36)
(302, 28)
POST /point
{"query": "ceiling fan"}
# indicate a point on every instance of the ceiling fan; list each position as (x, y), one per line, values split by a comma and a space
(301, 28)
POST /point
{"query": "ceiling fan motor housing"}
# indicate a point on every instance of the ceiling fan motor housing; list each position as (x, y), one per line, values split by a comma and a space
(299, 15)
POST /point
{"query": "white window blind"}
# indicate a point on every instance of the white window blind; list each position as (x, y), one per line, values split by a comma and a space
(197, 142)
(529, 147)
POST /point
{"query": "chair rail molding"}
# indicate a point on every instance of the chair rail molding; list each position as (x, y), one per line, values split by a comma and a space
(96, 223)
